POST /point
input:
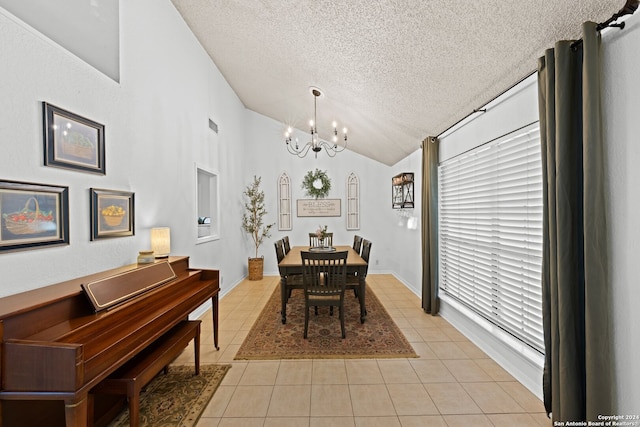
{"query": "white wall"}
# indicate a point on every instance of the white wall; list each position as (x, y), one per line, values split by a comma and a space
(378, 222)
(621, 104)
(156, 122)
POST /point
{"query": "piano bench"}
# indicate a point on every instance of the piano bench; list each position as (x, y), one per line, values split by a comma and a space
(134, 375)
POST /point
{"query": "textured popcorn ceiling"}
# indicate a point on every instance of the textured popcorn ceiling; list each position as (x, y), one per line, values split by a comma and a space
(392, 71)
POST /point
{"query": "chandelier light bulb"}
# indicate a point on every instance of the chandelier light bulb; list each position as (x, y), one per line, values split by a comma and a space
(311, 123)
(335, 124)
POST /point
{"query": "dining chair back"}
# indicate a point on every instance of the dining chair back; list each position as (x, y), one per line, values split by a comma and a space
(287, 246)
(279, 250)
(314, 241)
(357, 243)
(324, 279)
(366, 250)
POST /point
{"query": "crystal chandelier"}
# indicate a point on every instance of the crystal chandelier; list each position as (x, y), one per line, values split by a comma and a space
(316, 144)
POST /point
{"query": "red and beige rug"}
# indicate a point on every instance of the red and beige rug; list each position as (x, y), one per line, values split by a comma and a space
(377, 337)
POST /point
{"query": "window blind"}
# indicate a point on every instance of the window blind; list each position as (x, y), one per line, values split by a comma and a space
(491, 232)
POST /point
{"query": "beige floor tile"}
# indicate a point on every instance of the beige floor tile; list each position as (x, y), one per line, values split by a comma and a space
(249, 402)
(234, 374)
(411, 399)
(330, 400)
(451, 398)
(467, 421)
(466, 371)
(218, 403)
(377, 422)
(472, 350)
(423, 421)
(208, 422)
(495, 371)
(510, 420)
(491, 398)
(329, 372)
(241, 422)
(527, 400)
(371, 400)
(448, 350)
(260, 373)
(398, 371)
(423, 350)
(363, 372)
(294, 372)
(286, 422)
(434, 389)
(432, 334)
(332, 422)
(432, 371)
(290, 400)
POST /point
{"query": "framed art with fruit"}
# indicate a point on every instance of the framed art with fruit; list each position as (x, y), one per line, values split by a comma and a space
(112, 213)
(33, 215)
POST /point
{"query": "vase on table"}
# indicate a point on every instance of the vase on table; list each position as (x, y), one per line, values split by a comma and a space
(321, 242)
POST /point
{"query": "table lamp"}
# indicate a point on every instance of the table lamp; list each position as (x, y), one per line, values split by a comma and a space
(161, 241)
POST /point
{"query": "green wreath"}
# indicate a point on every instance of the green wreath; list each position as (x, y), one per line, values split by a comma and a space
(317, 184)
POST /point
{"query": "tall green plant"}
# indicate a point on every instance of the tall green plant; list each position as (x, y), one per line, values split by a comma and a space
(253, 218)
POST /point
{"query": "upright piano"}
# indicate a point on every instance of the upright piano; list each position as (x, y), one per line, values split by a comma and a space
(58, 342)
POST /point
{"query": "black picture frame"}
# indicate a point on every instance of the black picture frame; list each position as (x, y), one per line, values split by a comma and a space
(33, 215)
(112, 213)
(72, 141)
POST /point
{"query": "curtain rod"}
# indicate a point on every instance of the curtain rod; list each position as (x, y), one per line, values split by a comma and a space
(629, 8)
(484, 110)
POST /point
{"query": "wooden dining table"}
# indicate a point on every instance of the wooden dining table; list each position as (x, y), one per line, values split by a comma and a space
(291, 264)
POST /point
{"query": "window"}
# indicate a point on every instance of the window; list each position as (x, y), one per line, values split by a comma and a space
(207, 206)
(284, 202)
(491, 232)
(353, 202)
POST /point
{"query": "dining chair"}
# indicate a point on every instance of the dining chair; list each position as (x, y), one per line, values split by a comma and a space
(353, 280)
(287, 246)
(324, 278)
(293, 281)
(279, 250)
(357, 243)
(314, 242)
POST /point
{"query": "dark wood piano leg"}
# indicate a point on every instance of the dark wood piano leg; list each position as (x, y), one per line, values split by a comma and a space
(75, 411)
(214, 310)
(283, 298)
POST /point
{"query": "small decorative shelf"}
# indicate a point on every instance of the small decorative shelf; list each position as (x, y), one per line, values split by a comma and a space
(402, 191)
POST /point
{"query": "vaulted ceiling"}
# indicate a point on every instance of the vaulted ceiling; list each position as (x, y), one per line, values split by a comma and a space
(392, 71)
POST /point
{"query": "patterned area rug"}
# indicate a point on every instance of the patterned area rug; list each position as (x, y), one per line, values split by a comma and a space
(176, 399)
(378, 337)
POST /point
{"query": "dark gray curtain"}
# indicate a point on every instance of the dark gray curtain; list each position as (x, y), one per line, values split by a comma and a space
(430, 302)
(575, 287)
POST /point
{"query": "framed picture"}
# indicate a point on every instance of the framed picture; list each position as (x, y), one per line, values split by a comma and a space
(112, 213)
(33, 215)
(72, 142)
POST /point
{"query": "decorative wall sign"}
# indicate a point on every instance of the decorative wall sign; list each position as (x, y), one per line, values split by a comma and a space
(72, 141)
(318, 207)
(112, 213)
(33, 215)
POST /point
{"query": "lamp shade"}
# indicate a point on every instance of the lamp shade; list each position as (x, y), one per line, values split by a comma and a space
(161, 241)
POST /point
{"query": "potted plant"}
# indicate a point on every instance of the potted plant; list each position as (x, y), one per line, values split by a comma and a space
(253, 223)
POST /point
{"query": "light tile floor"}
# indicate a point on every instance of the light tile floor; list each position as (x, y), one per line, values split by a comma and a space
(453, 383)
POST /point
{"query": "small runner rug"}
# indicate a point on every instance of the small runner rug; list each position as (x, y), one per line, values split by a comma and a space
(177, 398)
(377, 337)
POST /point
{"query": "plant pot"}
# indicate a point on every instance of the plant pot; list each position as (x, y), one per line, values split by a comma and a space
(256, 266)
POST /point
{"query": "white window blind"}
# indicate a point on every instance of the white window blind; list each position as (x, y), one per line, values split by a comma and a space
(491, 232)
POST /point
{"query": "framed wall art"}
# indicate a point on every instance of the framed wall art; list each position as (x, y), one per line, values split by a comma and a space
(112, 213)
(72, 141)
(33, 215)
